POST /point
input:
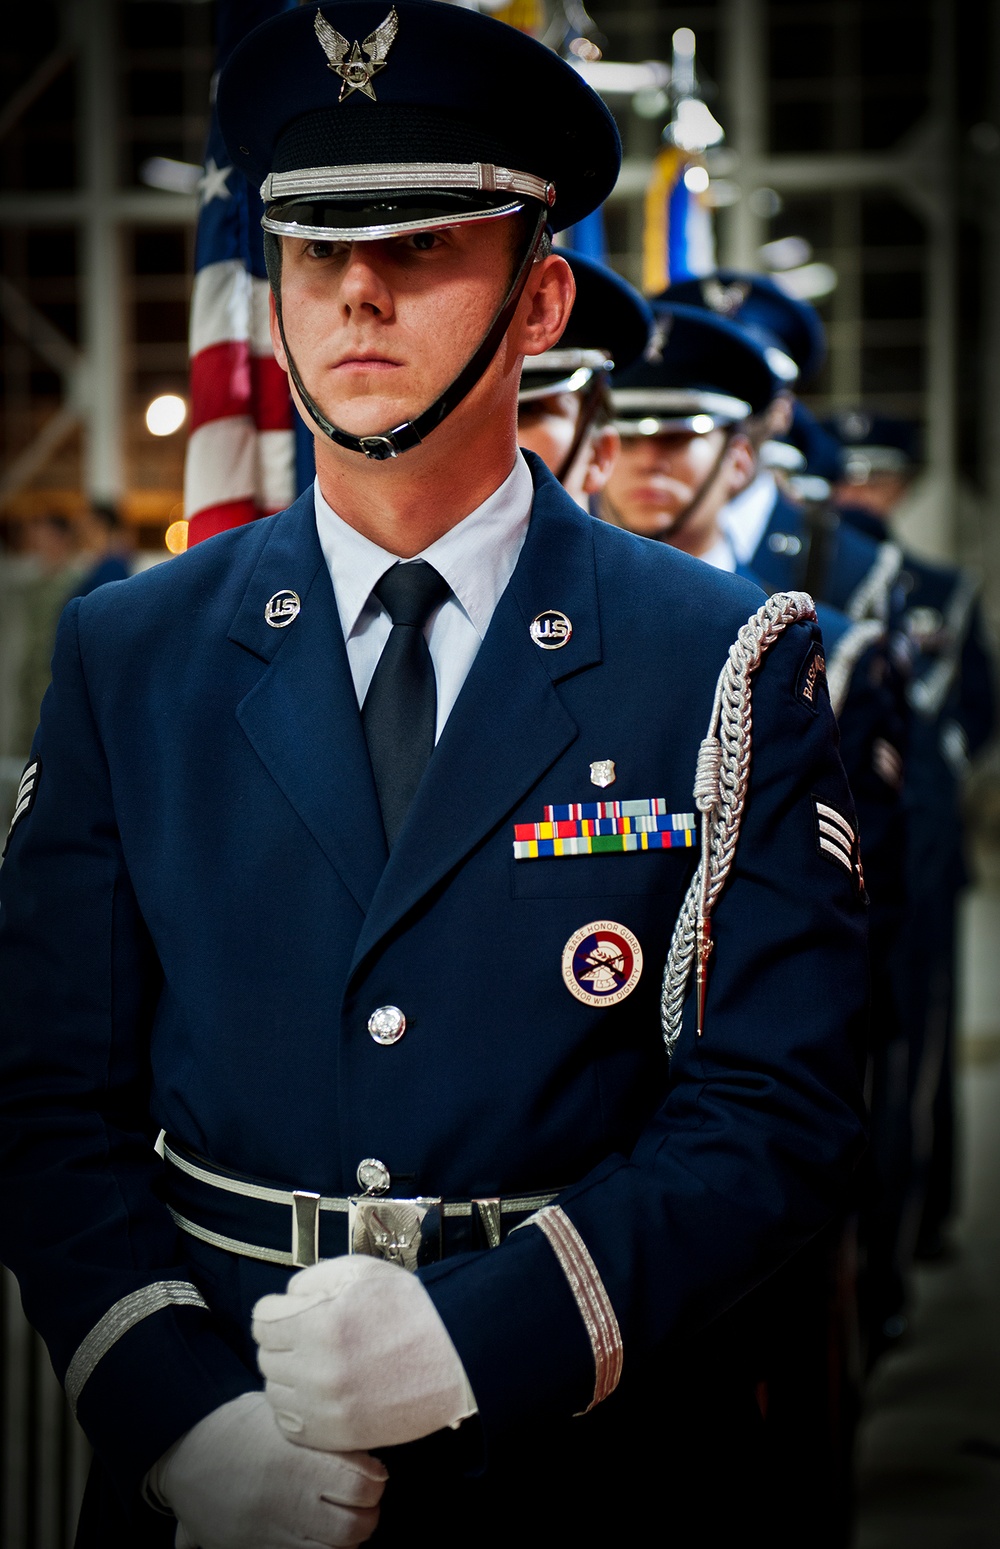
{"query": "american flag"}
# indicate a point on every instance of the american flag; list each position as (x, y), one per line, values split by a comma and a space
(241, 454)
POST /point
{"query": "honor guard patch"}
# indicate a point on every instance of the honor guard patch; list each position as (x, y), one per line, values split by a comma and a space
(812, 677)
(27, 790)
(601, 963)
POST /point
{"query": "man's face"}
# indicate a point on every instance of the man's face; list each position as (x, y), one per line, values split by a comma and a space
(379, 329)
(547, 426)
(656, 478)
(879, 493)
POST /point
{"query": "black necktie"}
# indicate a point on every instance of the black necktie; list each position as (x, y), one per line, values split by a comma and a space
(400, 709)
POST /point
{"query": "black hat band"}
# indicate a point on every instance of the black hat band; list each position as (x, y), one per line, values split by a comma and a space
(368, 221)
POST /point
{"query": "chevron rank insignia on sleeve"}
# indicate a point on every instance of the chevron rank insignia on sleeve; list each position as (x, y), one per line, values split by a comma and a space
(838, 841)
(25, 799)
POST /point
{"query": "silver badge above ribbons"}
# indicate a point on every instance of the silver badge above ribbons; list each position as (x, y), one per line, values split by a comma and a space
(282, 609)
(346, 61)
(602, 772)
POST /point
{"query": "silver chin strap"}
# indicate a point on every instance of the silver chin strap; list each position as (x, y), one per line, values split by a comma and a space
(389, 443)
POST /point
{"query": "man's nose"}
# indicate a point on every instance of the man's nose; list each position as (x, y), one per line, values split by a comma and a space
(363, 285)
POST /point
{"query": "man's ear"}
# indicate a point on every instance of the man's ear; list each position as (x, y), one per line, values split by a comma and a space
(544, 309)
(603, 451)
(276, 341)
(740, 464)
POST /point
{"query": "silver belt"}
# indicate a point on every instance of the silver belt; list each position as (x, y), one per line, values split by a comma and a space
(406, 1231)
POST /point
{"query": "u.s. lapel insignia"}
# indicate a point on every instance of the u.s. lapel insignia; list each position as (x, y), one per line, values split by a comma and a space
(551, 630)
(345, 60)
(601, 963)
(282, 609)
(602, 772)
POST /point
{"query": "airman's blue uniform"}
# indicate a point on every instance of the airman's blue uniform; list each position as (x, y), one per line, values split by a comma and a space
(204, 932)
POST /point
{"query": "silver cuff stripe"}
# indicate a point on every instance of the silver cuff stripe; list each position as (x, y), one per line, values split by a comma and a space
(590, 1296)
(411, 176)
(124, 1315)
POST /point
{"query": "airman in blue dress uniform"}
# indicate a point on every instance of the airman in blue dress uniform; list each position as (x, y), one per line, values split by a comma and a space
(453, 883)
(563, 406)
(771, 533)
(798, 1333)
(952, 696)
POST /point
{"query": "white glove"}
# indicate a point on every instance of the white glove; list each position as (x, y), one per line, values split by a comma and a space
(234, 1482)
(355, 1355)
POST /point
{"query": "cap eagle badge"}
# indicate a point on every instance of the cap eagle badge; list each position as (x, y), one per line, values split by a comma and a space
(726, 300)
(345, 60)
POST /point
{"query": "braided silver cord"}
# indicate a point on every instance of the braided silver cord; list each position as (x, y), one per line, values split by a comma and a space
(870, 598)
(840, 666)
(720, 791)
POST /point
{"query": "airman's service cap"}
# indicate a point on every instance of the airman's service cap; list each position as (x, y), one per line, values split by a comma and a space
(359, 119)
(788, 330)
(701, 373)
(875, 443)
(609, 328)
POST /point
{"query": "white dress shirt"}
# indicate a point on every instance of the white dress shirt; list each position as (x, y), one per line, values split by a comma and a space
(476, 558)
(744, 518)
(721, 556)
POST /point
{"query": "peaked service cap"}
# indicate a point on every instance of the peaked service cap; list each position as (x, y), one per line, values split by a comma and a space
(609, 327)
(410, 116)
(701, 372)
(789, 330)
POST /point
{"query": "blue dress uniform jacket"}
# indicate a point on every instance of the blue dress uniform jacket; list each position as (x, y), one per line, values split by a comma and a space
(199, 917)
(851, 556)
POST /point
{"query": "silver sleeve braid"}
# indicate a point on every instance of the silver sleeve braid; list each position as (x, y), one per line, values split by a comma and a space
(720, 790)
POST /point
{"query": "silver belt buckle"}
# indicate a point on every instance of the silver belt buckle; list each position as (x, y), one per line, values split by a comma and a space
(403, 1231)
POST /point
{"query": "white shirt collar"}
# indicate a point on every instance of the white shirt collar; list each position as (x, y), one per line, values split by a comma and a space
(721, 555)
(747, 514)
(476, 557)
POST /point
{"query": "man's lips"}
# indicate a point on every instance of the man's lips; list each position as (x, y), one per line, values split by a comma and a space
(367, 363)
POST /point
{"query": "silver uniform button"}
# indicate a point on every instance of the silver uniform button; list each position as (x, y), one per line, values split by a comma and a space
(387, 1024)
(373, 1176)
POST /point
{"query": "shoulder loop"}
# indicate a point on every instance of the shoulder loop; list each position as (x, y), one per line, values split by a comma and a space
(849, 651)
(870, 598)
(719, 793)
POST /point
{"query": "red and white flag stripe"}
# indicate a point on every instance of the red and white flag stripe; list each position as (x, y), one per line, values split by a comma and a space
(241, 450)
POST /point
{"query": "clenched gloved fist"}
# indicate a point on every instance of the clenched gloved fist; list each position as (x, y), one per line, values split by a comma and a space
(234, 1482)
(356, 1356)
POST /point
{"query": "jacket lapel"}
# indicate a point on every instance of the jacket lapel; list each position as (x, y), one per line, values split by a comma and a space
(301, 717)
(509, 724)
(773, 562)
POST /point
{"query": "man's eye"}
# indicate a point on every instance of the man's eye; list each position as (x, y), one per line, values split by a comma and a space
(423, 241)
(320, 249)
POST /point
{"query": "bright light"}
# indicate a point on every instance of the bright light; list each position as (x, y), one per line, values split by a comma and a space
(683, 42)
(694, 127)
(696, 179)
(648, 427)
(786, 253)
(166, 414)
(809, 283)
(701, 424)
(176, 537)
(176, 177)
